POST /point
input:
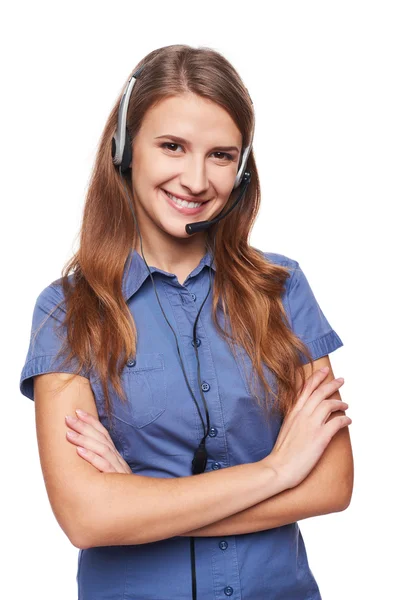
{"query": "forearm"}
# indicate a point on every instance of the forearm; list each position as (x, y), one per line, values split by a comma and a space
(137, 509)
(326, 489)
(308, 499)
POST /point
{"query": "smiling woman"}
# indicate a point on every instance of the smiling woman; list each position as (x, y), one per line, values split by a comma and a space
(210, 316)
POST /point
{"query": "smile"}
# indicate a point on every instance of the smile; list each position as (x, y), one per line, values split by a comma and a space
(187, 208)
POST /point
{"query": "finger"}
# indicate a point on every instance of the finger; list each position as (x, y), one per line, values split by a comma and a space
(323, 392)
(311, 384)
(100, 463)
(96, 447)
(88, 430)
(333, 426)
(93, 421)
(124, 464)
(325, 408)
(96, 432)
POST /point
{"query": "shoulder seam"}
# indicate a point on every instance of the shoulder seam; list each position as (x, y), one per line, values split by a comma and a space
(293, 277)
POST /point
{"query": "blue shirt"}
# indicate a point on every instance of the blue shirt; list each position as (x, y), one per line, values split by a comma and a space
(159, 430)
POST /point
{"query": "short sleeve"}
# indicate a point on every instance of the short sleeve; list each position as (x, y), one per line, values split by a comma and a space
(308, 321)
(46, 338)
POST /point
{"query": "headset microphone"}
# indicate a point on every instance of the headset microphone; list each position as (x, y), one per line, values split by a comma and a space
(202, 225)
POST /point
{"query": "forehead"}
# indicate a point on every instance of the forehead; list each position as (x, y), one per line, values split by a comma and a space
(192, 117)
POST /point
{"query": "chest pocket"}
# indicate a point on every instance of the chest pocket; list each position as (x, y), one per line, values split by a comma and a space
(144, 381)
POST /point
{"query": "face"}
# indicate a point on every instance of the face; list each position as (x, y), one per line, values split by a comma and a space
(200, 169)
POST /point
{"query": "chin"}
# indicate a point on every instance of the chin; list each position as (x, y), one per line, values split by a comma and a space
(176, 230)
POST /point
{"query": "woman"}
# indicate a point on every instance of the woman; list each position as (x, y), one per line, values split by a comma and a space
(192, 352)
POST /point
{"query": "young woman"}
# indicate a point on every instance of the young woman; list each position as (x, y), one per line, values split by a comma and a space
(196, 357)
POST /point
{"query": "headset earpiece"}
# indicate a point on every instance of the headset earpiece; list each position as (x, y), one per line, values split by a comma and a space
(127, 154)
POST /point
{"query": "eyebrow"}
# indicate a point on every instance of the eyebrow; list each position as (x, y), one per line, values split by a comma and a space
(183, 141)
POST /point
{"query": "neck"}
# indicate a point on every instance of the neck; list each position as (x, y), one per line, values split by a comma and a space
(177, 259)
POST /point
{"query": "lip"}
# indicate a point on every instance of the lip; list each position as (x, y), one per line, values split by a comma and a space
(184, 209)
(187, 198)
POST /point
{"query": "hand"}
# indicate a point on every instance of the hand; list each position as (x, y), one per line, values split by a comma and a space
(304, 433)
(95, 445)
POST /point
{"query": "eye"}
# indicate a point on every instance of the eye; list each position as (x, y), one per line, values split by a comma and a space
(165, 145)
(228, 156)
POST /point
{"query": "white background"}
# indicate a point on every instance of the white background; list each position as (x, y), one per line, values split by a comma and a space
(324, 79)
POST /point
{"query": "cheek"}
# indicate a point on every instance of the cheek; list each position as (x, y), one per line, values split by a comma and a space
(147, 171)
(226, 191)
(225, 183)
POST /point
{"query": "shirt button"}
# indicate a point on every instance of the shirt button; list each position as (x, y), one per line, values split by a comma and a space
(193, 296)
(131, 362)
(215, 466)
(223, 545)
(198, 342)
(205, 386)
(213, 432)
(228, 590)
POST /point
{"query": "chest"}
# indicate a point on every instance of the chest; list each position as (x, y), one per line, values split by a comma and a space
(160, 426)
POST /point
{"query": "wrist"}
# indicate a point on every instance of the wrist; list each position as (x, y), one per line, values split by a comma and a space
(278, 473)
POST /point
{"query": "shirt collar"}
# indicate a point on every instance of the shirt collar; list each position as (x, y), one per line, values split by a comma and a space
(136, 272)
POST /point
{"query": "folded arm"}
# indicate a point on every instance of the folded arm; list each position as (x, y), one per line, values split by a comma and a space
(108, 509)
(328, 488)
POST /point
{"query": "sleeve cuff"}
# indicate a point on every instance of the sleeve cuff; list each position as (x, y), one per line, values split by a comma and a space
(324, 345)
(39, 366)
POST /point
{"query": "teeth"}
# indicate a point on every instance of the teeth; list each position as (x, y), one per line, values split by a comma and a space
(183, 202)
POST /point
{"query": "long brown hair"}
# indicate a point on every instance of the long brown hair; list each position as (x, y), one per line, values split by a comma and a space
(101, 332)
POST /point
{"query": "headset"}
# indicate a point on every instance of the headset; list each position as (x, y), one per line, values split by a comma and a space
(121, 153)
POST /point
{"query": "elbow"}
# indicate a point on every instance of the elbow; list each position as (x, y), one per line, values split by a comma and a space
(80, 544)
(341, 507)
(345, 502)
(80, 534)
(83, 538)
(345, 491)
(93, 522)
(86, 531)
(82, 526)
(344, 499)
(77, 531)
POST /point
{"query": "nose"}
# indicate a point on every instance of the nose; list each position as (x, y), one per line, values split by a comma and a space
(194, 176)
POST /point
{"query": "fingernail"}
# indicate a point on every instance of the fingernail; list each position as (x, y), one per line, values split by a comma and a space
(70, 419)
(80, 412)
